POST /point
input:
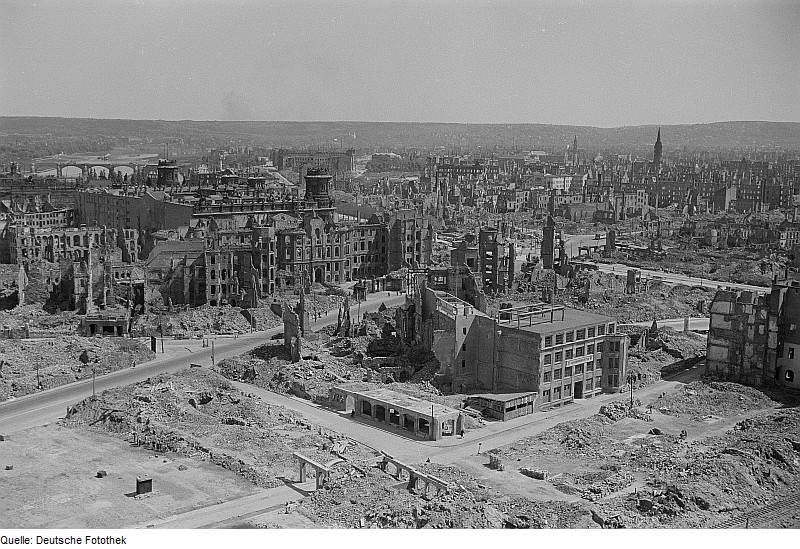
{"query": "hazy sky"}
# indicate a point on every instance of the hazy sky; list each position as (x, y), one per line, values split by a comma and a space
(569, 62)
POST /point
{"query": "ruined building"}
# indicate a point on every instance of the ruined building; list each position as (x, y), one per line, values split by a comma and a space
(496, 261)
(492, 259)
(549, 353)
(29, 244)
(552, 249)
(755, 339)
(237, 259)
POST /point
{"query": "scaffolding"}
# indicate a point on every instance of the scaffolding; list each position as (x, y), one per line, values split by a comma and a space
(523, 315)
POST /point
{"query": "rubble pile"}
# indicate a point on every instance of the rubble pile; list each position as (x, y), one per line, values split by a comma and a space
(265, 318)
(679, 345)
(701, 399)
(737, 265)
(526, 513)
(665, 354)
(659, 301)
(755, 462)
(737, 470)
(619, 409)
(601, 485)
(198, 413)
(30, 365)
(585, 438)
(440, 255)
(657, 477)
(378, 500)
(204, 320)
(39, 320)
(607, 296)
(270, 367)
(373, 360)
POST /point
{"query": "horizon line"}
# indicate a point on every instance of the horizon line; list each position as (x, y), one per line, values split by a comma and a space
(654, 124)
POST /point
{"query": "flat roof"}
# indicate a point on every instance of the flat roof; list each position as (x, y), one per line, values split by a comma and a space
(502, 397)
(573, 318)
(400, 400)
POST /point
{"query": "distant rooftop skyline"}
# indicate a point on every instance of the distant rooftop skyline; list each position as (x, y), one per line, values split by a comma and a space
(590, 63)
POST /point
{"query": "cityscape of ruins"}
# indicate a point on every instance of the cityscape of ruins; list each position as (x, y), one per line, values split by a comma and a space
(355, 325)
(244, 335)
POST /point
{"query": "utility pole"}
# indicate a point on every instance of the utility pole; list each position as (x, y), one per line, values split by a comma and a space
(630, 382)
(430, 429)
(93, 376)
(213, 363)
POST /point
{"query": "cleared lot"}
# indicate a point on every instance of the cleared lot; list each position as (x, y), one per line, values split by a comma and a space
(53, 482)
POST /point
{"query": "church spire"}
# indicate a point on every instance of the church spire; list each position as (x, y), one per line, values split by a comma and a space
(575, 151)
(657, 149)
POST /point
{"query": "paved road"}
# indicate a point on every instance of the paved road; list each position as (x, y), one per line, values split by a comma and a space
(695, 324)
(398, 443)
(675, 278)
(46, 406)
(573, 242)
(454, 451)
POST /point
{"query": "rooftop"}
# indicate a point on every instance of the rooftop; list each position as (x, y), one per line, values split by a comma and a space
(502, 397)
(164, 251)
(402, 401)
(572, 318)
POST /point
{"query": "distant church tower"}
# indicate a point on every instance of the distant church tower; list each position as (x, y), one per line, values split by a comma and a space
(575, 151)
(657, 149)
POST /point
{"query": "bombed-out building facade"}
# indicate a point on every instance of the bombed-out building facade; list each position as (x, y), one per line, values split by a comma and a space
(754, 338)
(549, 353)
(221, 247)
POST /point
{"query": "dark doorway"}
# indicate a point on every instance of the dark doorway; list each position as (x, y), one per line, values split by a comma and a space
(424, 426)
(366, 408)
(578, 389)
(380, 412)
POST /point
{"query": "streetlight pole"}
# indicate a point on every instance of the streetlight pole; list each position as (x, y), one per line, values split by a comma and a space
(630, 382)
(430, 429)
(93, 376)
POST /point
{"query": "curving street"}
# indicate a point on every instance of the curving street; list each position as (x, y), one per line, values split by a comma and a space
(47, 406)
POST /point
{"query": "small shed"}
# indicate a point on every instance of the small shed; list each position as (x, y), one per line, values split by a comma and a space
(503, 406)
(144, 485)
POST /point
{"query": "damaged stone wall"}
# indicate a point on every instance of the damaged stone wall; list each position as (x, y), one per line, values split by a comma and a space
(292, 333)
(742, 338)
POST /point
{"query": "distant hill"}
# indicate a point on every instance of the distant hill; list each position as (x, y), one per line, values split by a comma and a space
(390, 135)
